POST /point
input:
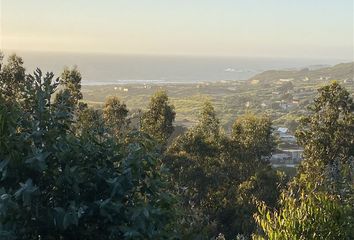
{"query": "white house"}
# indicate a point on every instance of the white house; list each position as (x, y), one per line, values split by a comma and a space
(285, 135)
(282, 130)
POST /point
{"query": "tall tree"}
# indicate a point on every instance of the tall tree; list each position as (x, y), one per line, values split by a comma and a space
(69, 95)
(254, 135)
(71, 80)
(158, 120)
(193, 160)
(327, 136)
(115, 115)
(208, 121)
(219, 178)
(318, 203)
(12, 77)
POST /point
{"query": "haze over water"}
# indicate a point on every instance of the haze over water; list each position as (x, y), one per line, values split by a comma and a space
(117, 69)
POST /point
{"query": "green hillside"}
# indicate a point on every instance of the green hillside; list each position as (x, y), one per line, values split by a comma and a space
(340, 71)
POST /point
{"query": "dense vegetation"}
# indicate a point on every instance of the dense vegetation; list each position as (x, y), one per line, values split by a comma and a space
(70, 171)
(65, 171)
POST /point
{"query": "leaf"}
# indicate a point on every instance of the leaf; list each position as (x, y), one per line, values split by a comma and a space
(70, 218)
(3, 164)
(3, 168)
(26, 191)
(39, 160)
(42, 156)
(146, 213)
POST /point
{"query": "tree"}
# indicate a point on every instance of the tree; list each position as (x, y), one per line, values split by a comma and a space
(12, 77)
(239, 201)
(327, 136)
(208, 122)
(71, 80)
(115, 115)
(318, 203)
(158, 120)
(202, 140)
(57, 184)
(193, 160)
(310, 216)
(69, 95)
(90, 123)
(254, 135)
(192, 157)
(219, 176)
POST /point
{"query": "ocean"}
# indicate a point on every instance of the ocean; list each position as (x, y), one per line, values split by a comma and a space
(100, 69)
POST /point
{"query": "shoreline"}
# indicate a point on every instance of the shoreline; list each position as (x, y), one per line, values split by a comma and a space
(156, 82)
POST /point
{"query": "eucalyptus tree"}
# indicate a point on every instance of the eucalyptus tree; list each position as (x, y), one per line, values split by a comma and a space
(12, 77)
(318, 203)
(115, 114)
(327, 136)
(158, 120)
(219, 176)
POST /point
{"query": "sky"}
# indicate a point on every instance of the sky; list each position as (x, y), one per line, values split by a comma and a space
(266, 28)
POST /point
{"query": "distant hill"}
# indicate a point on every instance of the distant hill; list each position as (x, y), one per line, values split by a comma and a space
(340, 71)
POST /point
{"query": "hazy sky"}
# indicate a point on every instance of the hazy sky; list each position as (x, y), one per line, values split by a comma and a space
(287, 28)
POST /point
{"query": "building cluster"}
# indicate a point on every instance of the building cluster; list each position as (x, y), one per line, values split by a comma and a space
(292, 154)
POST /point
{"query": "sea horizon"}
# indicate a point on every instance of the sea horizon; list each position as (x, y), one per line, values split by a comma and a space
(115, 69)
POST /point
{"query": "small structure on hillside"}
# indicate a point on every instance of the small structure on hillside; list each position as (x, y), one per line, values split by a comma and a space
(287, 156)
(285, 136)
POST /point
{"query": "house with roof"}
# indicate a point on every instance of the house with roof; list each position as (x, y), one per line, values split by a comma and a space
(284, 135)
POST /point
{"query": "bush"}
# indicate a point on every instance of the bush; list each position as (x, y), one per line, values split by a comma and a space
(60, 184)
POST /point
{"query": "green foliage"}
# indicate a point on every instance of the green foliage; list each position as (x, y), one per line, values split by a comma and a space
(264, 184)
(12, 77)
(329, 132)
(327, 136)
(254, 135)
(318, 203)
(339, 71)
(158, 120)
(192, 158)
(72, 172)
(69, 95)
(219, 178)
(115, 115)
(71, 80)
(208, 122)
(238, 208)
(91, 124)
(63, 182)
(310, 216)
